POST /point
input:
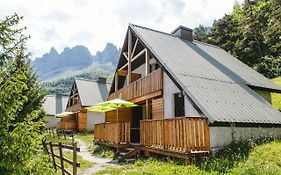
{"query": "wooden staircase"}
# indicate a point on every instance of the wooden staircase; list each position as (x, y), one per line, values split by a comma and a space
(130, 151)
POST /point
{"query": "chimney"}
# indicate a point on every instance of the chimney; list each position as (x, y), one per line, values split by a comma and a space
(101, 80)
(183, 33)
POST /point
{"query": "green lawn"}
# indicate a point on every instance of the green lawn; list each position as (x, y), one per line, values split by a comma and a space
(249, 157)
(276, 98)
(86, 137)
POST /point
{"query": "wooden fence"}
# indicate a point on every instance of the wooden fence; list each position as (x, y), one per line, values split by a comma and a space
(115, 132)
(149, 84)
(185, 134)
(50, 149)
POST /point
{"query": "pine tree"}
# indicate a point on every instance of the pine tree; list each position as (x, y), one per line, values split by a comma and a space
(21, 99)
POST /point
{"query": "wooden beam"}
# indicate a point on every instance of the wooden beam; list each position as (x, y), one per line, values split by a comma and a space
(154, 94)
(116, 82)
(129, 56)
(133, 59)
(147, 62)
(135, 46)
(126, 56)
(147, 112)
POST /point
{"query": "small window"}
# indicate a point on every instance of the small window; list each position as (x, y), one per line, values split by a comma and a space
(179, 104)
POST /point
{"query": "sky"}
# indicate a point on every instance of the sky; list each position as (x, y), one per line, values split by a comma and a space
(93, 23)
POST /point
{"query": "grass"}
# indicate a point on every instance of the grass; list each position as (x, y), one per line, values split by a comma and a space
(102, 151)
(248, 157)
(276, 98)
(86, 137)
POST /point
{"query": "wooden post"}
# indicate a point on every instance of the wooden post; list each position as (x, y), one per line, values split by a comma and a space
(116, 82)
(147, 116)
(147, 62)
(74, 158)
(129, 56)
(53, 157)
(61, 158)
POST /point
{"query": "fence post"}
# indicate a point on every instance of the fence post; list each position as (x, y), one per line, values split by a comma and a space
(61, 158)
(53, 157)
(74, 158)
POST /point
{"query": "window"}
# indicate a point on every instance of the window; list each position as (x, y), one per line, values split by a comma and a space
(179, 104)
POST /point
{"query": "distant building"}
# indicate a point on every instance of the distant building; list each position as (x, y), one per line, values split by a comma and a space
(53, 105)
(84, 93)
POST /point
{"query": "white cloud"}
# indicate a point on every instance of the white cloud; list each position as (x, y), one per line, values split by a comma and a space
(94, 22)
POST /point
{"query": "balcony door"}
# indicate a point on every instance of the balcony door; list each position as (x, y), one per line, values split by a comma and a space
(137, 116)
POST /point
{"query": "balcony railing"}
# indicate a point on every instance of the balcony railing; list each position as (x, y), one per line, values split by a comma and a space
(147, 85)
(185, 134)
(115, 133)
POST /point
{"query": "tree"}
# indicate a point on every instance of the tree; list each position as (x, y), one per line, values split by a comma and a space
(21, 99)
(251, 32)
(201, 34)
(269, 66)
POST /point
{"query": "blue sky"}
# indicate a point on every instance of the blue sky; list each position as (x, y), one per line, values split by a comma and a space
(93, 23)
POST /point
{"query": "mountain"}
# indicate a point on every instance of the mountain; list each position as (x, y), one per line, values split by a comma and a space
(53, 64)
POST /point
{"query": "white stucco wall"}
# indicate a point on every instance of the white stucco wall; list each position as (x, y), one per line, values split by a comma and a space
(220, 136)
(94, 118)
(169, 90)
(51, 121)
(140, 70)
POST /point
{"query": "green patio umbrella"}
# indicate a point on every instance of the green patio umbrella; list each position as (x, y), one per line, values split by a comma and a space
(99, 108)
(117, 104)
(64, 114)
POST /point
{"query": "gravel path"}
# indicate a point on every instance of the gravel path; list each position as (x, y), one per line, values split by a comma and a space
(100, 163)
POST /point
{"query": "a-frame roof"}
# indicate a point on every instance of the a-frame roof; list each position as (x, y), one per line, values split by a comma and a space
(91, 92)
(215, 81)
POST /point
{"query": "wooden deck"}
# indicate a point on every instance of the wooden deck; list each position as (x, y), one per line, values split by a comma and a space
(181, 137)
(113, 133)
(144, 88)
(184, 135)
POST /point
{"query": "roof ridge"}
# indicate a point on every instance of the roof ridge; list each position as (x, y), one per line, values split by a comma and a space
(200, 42)
(165, 33)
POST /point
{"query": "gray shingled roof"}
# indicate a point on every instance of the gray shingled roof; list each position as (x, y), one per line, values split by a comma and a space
(91, 92)
(212, 78)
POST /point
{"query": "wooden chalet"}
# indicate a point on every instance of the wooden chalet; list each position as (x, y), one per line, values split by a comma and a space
(189, 95)
(84, 93)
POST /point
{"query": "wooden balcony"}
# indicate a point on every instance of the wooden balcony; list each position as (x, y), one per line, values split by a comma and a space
(113, 133)
(184, 135)
(146, 87)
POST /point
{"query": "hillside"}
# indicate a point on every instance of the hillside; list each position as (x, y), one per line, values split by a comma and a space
(276, 98)
(62, 84)
(53, 64)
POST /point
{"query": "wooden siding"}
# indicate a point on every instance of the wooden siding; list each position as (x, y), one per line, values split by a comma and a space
(124, 115)
(185, 134)
(157, 108)
(145, 86)
(115, 133)
(82, 121)
(74, 108)
(68, 123)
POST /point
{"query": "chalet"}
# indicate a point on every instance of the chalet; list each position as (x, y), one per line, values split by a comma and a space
(192, 96)
(53, 105)
(84, 93)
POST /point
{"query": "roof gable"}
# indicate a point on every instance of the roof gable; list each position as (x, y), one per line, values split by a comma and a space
(91, 92)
